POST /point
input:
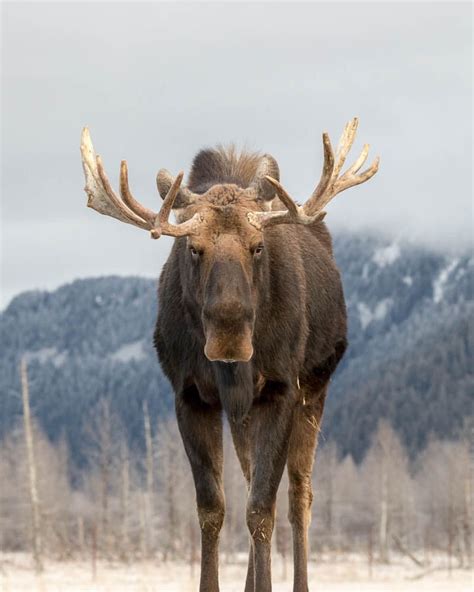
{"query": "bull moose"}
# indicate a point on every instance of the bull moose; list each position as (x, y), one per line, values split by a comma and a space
(252, 322)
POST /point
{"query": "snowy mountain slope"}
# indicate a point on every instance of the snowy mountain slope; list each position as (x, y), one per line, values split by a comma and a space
(410, 354)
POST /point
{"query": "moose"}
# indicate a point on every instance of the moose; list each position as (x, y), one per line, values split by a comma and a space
(251, 323)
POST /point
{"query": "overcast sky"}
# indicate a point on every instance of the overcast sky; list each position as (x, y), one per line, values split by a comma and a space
(156, 82)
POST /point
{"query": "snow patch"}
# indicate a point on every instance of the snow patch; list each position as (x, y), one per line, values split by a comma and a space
(408, 280)
(47, 354)
(129, 352)
(440, 282)
(386, 255)
(367, 316)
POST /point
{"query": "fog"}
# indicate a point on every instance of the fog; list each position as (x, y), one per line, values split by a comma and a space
(156, 82)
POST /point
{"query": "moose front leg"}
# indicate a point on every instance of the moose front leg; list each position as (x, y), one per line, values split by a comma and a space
(201, 430)
(270, 426)
(241, 438)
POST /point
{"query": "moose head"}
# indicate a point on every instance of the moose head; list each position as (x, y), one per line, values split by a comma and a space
(226, 258)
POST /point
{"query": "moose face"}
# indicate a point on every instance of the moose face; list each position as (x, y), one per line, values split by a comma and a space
(224, 262)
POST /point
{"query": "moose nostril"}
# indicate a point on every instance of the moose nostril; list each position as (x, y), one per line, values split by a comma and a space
(219, 349)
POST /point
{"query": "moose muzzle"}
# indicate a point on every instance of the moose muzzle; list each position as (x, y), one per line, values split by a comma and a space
(224, 345)
(228, 314)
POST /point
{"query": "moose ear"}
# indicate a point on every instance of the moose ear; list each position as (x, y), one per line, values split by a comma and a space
(268, 166)
(184, 198)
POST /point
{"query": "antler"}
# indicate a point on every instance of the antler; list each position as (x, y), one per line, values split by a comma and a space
(328, 187)
(102, 198)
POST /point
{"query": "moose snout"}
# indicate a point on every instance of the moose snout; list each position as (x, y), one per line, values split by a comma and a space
(223, 346)
(228, 332)
(228, 314)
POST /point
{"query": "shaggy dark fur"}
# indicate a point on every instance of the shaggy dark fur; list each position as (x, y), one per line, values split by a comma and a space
(294, 297)
(222, 165)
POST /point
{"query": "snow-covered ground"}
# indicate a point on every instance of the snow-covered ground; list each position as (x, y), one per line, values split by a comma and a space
(345, 574)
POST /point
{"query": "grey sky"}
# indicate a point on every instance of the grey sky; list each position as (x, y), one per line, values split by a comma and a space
(155, 82)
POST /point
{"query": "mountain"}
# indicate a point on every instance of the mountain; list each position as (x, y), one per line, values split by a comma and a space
(411, 344)
(88, 340)
(409, 358)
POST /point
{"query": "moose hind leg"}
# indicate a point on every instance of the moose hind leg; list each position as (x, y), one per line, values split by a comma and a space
(303, 442)
(201, 430)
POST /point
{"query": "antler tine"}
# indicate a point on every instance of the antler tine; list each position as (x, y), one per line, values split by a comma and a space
(102, 198)
(360, 161)
(128, 198)
(324, 194)
(332, 165)
(328, 187)
(349, 179)
(284, 196)
(165, 210)
(326, 176)
(345, 144)
(161, 224)
(294, 214)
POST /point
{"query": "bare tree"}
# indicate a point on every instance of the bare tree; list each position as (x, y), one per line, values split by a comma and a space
(443, 499)
(427, 503)
(104, 433)
(385, 472)
(176, 497)
(125, 500)
(150, 469)
(32, 471)
(325, 475)
(467, 517)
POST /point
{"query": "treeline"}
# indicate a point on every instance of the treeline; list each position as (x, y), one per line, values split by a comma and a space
(409, 359)
(420, 377)
(128, 505)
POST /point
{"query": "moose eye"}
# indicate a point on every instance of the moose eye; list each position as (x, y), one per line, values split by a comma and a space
(258, 250)
(194, 253)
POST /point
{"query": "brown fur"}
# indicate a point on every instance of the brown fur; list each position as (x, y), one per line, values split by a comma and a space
(222, 165)
(221, 298)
